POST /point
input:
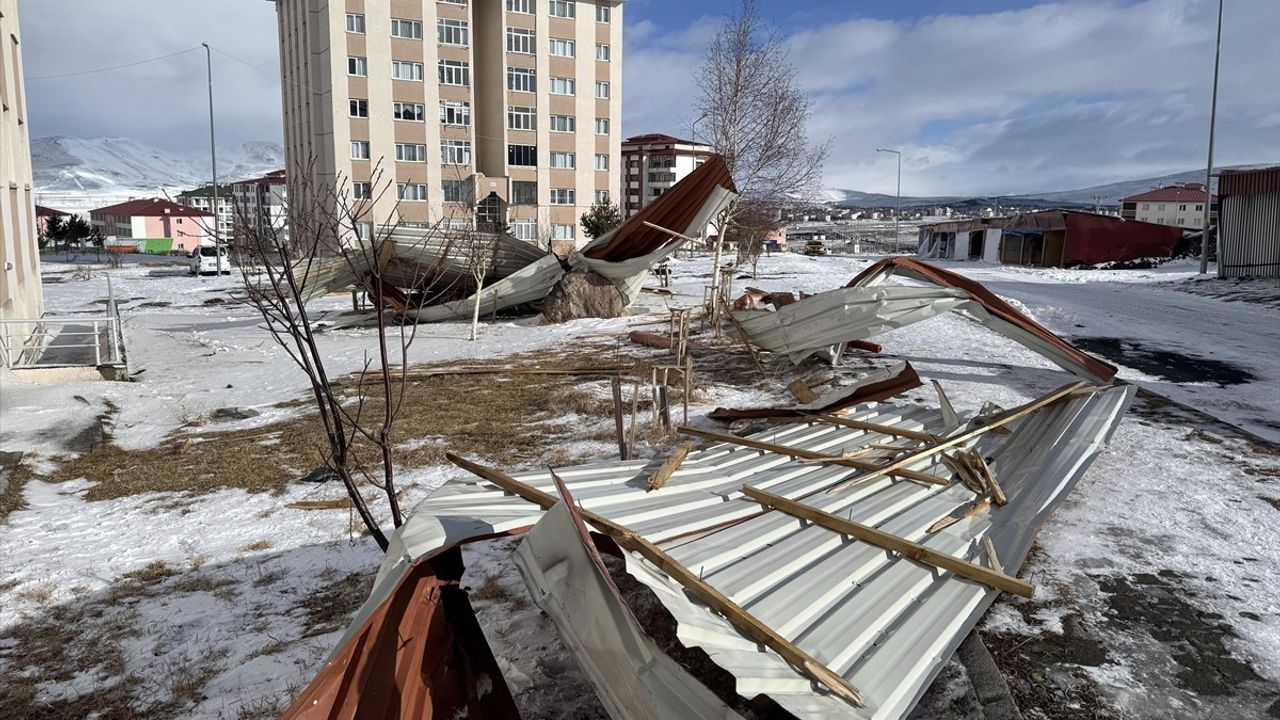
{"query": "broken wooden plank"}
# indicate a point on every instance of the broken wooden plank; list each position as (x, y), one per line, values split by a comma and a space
(989, 478)
(745, 622)
(990, 549)
(742, 335)
(928, 452)
(888, 541)
(974, 508)
(809, 455)
(874, 427)
(335, 504)
(660, 478)
(800, 391)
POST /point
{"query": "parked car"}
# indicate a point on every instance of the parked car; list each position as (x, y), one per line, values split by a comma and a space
(815, 247)
(205, 261)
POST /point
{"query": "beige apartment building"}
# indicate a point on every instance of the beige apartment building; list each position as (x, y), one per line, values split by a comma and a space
(506, 109)
(21, 297)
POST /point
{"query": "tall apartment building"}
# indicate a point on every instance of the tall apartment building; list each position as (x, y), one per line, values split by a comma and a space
(21, 296)
(202, 199)
(260, 204)
(502, 109)
(654, 162)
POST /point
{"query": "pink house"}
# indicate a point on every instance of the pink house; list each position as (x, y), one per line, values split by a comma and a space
(42, 217)
(154, 225)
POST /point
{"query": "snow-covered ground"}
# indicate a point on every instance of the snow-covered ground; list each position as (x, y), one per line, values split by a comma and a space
(1167, 556)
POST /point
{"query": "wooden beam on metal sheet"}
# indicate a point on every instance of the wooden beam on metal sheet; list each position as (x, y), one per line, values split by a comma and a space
(660, 478)
(811, 455)
(964, 437)
(888, 541)
(873, 427)
(744, 621)
(672, 233)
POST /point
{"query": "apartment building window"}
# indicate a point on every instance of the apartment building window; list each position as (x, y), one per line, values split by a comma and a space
(408, 152)
(1200, 207)
(359, 149)
(520, 6)
(566, 160)
(521, 118)
(452, 32)
(520, 40)
(563, 196)
(357, 66)
(358, 108)
(602, 161)
(411, 112)
(524, 229)
(662, 161)
(602, 197)
(564, 232)
(662, 177)
(602, 90)
(355, 23)
(564, 123)
(364, 230)
(523, 155)
(362, 191)
(1160, 207)
(524, 192)
(409, 29)
(564, 8)
(455, 152)
(602, 126)
(457, 191)
(454, 2)
(521, 79)
(412, 192)
(602, 52)
(563, 48)
(455, 72)
(604, 13)
(455, 112)
(402, 70)
(562, 86)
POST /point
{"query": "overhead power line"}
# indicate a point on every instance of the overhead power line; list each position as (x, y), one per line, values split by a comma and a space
(113, 67)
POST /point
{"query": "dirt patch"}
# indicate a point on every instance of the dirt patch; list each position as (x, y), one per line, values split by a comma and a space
(1168, 365)
(1273, 502)
(1198, 638)
(329, 607)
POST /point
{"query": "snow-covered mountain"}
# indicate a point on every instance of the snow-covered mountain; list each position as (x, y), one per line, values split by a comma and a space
(122, 166)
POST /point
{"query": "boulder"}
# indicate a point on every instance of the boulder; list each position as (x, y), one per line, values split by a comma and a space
(583, 294)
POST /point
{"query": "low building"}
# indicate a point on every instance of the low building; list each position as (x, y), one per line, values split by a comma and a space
(1049, 238)
(1180, 205)
(260, 204)
(1249, 228)
(154, 225)
(42, 218)
(21, 296)
(202, 199)
(652, 163)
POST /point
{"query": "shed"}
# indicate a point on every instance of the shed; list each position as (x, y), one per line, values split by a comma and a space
(1249, 223)
(1062, 238)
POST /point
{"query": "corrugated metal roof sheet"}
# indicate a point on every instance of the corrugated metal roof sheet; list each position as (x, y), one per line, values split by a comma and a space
(882, 621)
(1249, 182)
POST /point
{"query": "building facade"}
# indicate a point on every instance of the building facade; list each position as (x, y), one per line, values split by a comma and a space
(21, 296)
(435, 112)
(154, 225)
(654, 162)
(1180, 205)
(260, 205)
(202, 199)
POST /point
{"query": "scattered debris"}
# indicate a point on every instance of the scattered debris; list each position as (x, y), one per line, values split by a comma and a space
(881, 385)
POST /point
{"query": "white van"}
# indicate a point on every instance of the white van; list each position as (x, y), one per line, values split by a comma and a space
(205, 261)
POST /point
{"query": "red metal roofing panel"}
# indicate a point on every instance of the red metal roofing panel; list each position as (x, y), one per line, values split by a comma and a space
(151, 207)
(1249, 182)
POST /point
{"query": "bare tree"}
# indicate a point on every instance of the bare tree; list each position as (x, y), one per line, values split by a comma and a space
(332, 239)
(754, 114)
(753, 223)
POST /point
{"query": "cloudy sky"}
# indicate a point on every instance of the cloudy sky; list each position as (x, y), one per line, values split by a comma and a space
(982, 96)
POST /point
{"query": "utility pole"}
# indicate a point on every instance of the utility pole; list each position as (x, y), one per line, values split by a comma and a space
(897, 213)
(1208, 171)
(213, 155)
(1097, 203)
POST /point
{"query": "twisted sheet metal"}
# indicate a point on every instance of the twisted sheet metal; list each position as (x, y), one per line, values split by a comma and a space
(882, 621)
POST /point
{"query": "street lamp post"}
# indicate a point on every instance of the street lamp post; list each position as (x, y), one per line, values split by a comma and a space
(1208, 171)
(213, 155)
(897, 213)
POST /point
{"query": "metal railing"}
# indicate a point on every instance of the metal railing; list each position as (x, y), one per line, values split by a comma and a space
(70, 341)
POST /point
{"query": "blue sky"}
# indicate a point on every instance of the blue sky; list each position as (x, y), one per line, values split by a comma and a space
(982, 96)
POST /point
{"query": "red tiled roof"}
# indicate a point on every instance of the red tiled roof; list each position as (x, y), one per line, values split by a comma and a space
(151, 207)
(272, 178)
(1173, 193)
(42, 211)
(658, 139)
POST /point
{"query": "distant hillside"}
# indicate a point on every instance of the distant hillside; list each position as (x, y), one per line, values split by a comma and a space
(121, 166)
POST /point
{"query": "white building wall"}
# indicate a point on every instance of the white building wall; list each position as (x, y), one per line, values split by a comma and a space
(21, 296)
(991, 246)
(961, 249)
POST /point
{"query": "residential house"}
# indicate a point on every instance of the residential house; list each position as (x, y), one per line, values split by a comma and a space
(1181, 205)
(154, 225)
(259, 205)
(652, 163)
(42, 218)
(202, 199)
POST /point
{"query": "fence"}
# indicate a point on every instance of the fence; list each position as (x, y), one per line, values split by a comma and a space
(71, 341)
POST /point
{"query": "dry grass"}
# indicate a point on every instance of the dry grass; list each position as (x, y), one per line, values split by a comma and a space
(38, 594)
(13, 498)
(490, 589)
(154, 572)
(506, 419)
(329, 608)
(257, 546)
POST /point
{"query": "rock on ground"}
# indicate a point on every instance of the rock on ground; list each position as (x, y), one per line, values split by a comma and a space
(583, 294)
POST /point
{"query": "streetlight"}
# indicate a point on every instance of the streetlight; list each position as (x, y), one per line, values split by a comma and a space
(213, 155)
(897, 213)
(1208, 171)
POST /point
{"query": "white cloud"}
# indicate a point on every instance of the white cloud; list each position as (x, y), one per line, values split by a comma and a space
(1041, 98)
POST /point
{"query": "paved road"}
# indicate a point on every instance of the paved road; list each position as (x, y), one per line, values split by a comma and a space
(1219, 356)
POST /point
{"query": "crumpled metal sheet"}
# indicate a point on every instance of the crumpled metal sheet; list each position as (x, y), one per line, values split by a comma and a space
(879, 385)
(884, 622)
